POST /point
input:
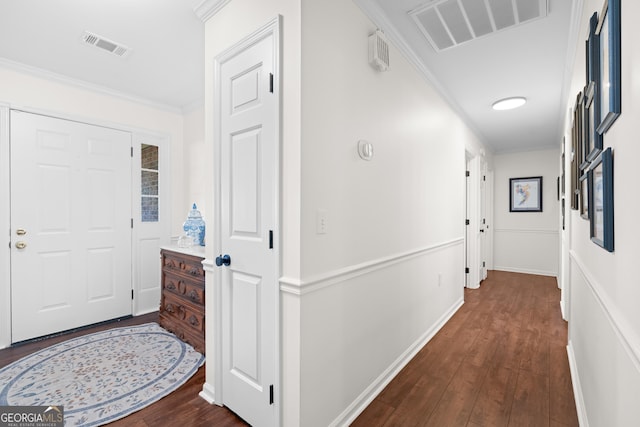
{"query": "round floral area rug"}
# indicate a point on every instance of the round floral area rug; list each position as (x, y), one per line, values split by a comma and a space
(101, 377)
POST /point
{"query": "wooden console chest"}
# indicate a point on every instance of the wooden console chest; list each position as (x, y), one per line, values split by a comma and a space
(182, 301)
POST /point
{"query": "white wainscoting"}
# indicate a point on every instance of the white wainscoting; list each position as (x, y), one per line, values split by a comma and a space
(527, 251)
(360, 325)
(604, 354)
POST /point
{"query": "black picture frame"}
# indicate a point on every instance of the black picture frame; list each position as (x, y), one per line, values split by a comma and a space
(601, 202)
(608, 33)
(585, 196)
(593, 139)
(525, 194)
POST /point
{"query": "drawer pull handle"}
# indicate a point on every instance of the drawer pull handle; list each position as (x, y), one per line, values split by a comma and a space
(170, 308)
(194, 295)
(182, 312)
(194, 271)
(193, 320)
(171, 286)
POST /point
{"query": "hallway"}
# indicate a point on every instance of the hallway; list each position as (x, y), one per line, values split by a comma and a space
(500, 361)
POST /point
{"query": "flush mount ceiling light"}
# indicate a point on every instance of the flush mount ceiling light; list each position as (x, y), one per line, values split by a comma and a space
(509, 103)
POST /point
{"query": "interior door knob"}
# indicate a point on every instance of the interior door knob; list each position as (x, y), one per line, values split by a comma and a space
(223, 260)
(21, 231)
(21, 245)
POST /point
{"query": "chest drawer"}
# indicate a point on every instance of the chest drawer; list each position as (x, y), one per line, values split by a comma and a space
(187, 265)
(187, 289)
(182, 312)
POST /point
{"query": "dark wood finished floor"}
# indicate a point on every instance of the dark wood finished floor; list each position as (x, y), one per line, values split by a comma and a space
(500, 361)
(182, 408)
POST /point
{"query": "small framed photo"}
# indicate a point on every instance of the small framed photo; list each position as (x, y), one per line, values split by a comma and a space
(584, 196)
(525, 194)
(609, 53)
(593, 140)
(601, 203)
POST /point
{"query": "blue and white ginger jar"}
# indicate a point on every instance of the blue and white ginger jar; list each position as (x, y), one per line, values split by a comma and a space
(194, 226)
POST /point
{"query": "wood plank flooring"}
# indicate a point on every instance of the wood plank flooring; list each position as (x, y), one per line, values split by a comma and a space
(500, 361)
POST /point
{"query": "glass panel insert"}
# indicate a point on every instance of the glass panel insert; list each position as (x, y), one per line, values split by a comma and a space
(149, 183)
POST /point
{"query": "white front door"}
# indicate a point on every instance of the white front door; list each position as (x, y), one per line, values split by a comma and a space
(249, 151)
(70, 224)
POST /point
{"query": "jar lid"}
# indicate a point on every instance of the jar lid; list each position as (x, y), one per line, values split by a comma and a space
(194, 212)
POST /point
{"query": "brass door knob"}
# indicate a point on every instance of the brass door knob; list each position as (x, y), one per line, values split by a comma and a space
(21, 231)
(21, 245)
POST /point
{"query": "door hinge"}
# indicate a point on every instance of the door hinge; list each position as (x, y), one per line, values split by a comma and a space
(271, 395)
(271, 82)
(468, 174)
(131, 151)
(131, 293)
(484, 264)
(131, 222)
(270, 239)
(466, 222)
(484, 177)
(466, 270)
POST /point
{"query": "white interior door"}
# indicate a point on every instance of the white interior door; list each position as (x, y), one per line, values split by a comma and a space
(70, 224)
(249, 150)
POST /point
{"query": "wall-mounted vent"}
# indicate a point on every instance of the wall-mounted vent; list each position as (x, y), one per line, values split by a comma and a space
(449, 23)
(105, 44)
(378, 51)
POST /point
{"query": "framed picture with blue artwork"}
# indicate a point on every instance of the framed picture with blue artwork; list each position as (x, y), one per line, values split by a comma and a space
(609, 58)
(601, 203)
(525, 194)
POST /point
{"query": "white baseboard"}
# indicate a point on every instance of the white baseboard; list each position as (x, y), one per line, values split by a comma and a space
(208, 393)
(527, 271)
(376, 387)
(583, 421)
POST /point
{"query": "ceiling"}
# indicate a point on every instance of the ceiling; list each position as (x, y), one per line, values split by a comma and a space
(165, 61)
(165, 64)
(527, 60)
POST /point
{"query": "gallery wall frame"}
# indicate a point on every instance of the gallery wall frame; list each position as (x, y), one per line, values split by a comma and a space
(608, 33)
(576, 142)
(525, 194)
(601, 202)
(585, 195)
(593, 139)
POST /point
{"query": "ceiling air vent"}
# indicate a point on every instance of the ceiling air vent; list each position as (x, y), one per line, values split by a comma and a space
(449, 23)
(105, 44)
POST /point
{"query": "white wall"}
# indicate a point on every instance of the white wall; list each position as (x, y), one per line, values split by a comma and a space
(604, 320)
(527, 242)
(390, 268)
(195, 165)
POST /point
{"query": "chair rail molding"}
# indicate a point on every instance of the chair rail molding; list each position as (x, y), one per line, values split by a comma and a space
(304, 286)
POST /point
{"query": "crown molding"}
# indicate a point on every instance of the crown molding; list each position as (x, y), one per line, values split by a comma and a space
(59, 78)
(207, 8)
(373, 11)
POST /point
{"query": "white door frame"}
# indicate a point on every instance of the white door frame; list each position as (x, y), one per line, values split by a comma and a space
(5, 194)
(5, 224)
(273, 28)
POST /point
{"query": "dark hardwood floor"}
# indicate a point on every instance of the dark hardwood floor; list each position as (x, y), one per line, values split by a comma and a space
(500, 361)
